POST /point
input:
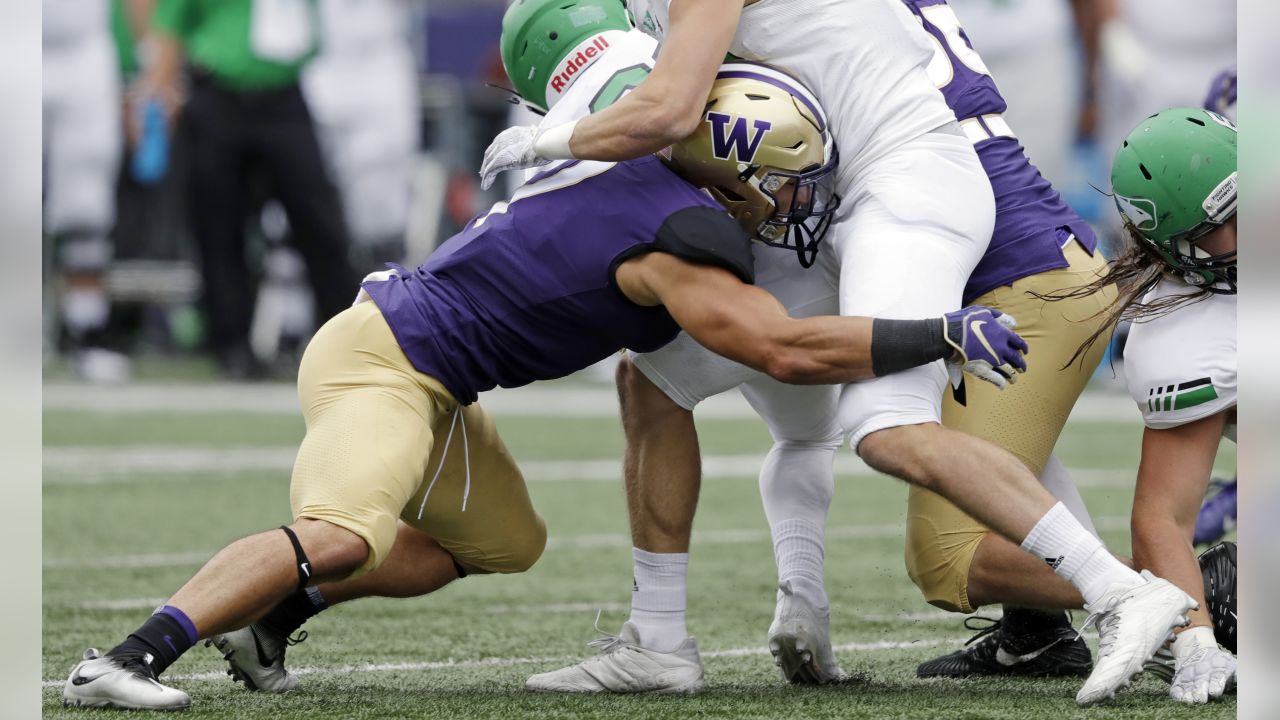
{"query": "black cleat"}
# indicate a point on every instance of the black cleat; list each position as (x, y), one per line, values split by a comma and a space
(1218, 565)
(1034, 650)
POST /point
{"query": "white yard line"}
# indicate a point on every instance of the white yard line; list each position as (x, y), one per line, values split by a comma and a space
(531, 660)
(78, 465)
(1108, 403)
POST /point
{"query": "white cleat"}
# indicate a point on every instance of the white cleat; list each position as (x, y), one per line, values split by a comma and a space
(129, 683)
(1133, 622)
(624, 667)
(800, 640)
(256, 657)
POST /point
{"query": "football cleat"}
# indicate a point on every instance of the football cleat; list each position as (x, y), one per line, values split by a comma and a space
(624, 667)
(1045, 651)
(1162, 664)
(1218, 565)
(1133, 622)
(1218, 514)
(119, 682)
(256, 657)
(800, 641)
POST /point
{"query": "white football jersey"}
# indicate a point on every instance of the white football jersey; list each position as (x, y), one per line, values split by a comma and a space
(866, 61)
(1181, 367)
(595, 74)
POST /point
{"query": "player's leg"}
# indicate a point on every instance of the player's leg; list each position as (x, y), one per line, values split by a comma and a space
(893, 421)
(955, 561)
(796, 486)
(286, 138)
(369, 417)
(84, 139)
(662, 471)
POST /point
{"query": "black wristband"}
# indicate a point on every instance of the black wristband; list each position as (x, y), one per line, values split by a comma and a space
(903, 344)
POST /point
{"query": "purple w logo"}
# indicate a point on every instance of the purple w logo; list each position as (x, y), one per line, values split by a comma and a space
(729, 134)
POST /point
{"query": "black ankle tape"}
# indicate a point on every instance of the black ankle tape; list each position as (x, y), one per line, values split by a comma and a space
(304, 565)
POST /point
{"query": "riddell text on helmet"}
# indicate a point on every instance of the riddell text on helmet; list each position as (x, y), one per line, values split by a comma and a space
(582, 56)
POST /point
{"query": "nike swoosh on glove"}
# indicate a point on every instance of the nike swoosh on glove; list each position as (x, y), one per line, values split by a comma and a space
(986, 345)
(1202, 670)
(511, 150)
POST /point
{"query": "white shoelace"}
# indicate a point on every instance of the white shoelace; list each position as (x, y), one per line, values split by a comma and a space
(607, 642)
(444, 454)
(1105, 621)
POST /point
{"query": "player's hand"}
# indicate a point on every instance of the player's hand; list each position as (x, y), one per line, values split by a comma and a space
(1202, 670)
(511, 150)
(986, 345)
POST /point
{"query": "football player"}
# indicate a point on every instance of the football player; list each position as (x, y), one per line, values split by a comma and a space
(401, 483)
(1174, 181)
(917, 220)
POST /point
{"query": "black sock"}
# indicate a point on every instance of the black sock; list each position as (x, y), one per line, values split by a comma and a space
(1027, 620)
(164, 636)
(285, 618)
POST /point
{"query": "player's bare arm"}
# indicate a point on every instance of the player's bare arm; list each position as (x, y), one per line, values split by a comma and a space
(664, 108)
(667, 106)
(747, 324)
(1172, 478)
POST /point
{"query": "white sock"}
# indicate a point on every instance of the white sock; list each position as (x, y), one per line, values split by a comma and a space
(1057, 481)
(798, 550)
(1076, 555)
(658, 599)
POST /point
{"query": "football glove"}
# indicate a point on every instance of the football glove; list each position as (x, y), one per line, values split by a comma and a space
(986, 345)
(1202, 670)
(511, 150)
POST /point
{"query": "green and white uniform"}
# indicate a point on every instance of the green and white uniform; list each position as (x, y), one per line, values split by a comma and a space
(1181, 367)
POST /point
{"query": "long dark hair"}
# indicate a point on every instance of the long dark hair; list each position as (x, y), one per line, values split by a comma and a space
(1133, 274)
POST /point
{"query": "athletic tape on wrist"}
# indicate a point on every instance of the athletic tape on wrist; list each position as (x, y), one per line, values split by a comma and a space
(903, 344)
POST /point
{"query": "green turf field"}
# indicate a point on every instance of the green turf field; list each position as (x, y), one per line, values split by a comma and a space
(135, 500)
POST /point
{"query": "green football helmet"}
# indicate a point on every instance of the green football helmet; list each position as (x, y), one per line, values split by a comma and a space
(544, 43)
(1174, 181)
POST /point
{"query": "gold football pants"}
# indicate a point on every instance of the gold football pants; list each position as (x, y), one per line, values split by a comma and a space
(1025, 419)
(385, 441)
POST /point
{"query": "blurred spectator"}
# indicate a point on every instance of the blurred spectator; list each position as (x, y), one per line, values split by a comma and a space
(362, 90)
(1042, 54)
(1158, 54)
(82, 143)
(245, 111)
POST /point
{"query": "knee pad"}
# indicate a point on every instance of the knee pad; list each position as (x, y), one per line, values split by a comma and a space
(938, 562)
(910, 397)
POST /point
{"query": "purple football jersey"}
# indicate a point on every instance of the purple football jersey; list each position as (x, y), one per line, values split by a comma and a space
(526, 292)
(1033, 222)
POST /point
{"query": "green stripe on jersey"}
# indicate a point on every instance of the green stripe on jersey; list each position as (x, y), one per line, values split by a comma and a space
(1198, 396)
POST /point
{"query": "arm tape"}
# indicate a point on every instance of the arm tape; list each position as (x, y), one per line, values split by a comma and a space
(904, 344)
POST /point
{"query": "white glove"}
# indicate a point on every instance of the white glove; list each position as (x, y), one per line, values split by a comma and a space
(363, 295)
(511, 150)
(525, 146)
(1202, 670)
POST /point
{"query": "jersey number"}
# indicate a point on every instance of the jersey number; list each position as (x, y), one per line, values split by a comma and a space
(944, 19)
(618, 85)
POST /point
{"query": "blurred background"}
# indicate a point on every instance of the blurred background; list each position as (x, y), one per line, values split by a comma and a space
(220, 174)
